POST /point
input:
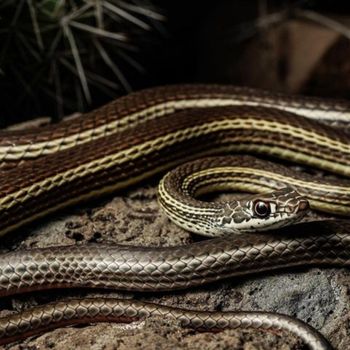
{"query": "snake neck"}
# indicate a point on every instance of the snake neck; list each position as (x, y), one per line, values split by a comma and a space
(179, 190)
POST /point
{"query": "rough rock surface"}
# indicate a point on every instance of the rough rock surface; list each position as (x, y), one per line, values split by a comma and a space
(317, 296)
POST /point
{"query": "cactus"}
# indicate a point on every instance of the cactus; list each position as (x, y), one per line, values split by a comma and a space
(63, 53)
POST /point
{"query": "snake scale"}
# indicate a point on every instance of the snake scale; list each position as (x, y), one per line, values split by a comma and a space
(149, 132)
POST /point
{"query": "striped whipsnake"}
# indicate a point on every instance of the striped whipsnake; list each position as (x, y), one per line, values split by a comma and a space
(149, 132)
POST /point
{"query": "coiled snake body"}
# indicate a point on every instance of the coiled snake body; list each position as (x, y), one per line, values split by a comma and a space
(147, 133)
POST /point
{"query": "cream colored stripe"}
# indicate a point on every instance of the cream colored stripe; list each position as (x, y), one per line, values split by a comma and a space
(93, 194)
(235, 181)
(33, 150)
(159, 143)
(344, 190)
(168, 199)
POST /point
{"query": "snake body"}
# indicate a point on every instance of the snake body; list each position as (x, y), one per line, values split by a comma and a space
(161, 269)
(117, 161)
(114, 310)
(149, 132)
(139, 107)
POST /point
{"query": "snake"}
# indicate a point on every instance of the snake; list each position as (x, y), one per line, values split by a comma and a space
(150, 132)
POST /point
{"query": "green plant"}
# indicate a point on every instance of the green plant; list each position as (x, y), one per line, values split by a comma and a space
(64, 53)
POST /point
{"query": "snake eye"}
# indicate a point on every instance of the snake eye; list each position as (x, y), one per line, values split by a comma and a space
(262, 209)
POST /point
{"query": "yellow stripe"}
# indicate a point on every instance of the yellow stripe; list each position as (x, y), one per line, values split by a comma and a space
(48, 147)
(167, 140)
(344, 190)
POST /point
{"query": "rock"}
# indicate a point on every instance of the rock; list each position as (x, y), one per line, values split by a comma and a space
(317, 296)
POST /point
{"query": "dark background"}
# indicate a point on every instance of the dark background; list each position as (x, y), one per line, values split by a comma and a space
(252, 43)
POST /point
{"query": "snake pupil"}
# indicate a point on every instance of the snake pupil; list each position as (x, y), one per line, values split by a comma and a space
(262, 209)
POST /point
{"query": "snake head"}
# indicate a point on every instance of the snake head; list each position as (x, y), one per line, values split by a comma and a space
(263, 212)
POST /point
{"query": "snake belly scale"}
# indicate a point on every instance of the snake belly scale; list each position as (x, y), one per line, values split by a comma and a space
(147, 133)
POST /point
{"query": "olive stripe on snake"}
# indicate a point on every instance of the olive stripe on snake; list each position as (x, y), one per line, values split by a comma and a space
(149, 132)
